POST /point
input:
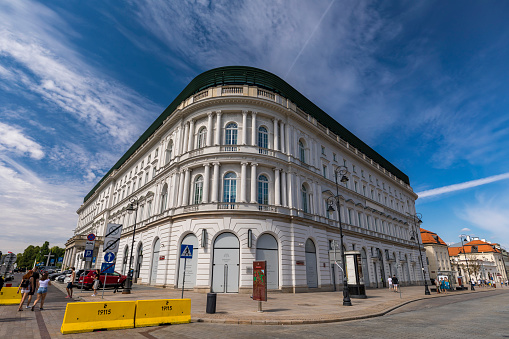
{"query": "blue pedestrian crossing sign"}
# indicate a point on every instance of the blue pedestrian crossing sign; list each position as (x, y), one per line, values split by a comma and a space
(107, 268)
(88, 253)
(186, 251)
(109, 257)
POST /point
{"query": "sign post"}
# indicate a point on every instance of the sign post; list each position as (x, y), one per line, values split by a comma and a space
(106, 268)
(186, 251)
(259, 283)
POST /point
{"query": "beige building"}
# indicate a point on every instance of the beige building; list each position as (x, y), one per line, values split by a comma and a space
(437, 256)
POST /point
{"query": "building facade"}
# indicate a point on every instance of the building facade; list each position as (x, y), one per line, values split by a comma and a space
(437, 257)
(479, 260)
(242, 167)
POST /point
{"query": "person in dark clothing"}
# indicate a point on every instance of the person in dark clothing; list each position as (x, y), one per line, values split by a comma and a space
(395, 283)
(33, 286)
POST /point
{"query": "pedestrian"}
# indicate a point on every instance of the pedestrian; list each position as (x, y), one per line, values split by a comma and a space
(42, 290)
(442, 285)
(70, 283)
(437, 284)
(395, 283)
(33, 286)
(389, 280)
(24, 287)
(95, 286)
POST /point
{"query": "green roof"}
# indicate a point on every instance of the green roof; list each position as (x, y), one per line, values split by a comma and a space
(256, 77)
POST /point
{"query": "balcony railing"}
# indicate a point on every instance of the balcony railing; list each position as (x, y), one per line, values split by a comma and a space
(227, 206)
(232, 90)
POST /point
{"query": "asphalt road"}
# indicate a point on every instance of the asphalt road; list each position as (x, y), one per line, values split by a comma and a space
(483, 315)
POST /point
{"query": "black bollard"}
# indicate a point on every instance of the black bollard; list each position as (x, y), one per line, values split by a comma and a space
(211, 302)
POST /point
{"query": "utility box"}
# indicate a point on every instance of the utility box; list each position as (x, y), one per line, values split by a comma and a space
(356, 287)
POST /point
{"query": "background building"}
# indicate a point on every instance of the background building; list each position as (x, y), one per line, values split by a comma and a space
(241, 167)
(437, 256)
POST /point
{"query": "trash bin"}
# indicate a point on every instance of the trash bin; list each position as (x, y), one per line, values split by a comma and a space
(211, 302)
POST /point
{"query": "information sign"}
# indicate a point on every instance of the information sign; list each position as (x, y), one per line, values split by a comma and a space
(186, 251)
(89, 245)
(88, 253)
(112, 238)
(60, 259)
(259, 281)
(107, 268)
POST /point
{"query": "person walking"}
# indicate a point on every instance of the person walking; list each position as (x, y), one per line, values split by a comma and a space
(34, 280)
(389, 280)
(437, 284)
(70, 284)
(24, 287)
(395, 283)
(95, 286)
(42, 290)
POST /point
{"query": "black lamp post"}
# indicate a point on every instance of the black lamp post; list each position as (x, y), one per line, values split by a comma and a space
(466, 260)
(418, 217)
(132, 207)
(341, 171)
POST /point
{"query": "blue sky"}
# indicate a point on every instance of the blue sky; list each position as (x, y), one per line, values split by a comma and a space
(423, 83)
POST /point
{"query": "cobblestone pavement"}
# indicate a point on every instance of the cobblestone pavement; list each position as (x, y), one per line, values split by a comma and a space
(282, 308)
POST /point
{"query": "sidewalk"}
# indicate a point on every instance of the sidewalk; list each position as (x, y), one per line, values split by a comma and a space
(280, 309)
(285, 308)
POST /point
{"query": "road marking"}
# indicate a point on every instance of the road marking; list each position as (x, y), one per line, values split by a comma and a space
(43, 330)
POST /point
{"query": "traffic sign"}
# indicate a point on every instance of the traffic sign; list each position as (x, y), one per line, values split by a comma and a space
(109, 257)
(60, 259)
(112, 238)
(186, 251)
(91, 237)
(107, 268)
(89, 245)
(52, 261)
(88, 253)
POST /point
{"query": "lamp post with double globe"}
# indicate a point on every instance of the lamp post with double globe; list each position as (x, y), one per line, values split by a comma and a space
(340, 171)
(463, 236)
(417, 219)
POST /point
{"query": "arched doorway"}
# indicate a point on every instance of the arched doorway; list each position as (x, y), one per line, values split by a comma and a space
(311, 269)
(139, 261)
(267, 249)
(381, 267)
(365, 268)
(155, 261)
(191, 264)
(225, 267)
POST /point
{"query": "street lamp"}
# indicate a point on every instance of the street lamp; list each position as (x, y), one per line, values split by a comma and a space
(418, 216)
(341, 171)
(468, 269)
(132, 207)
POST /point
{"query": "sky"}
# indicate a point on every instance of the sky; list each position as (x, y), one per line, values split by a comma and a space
(424, 83)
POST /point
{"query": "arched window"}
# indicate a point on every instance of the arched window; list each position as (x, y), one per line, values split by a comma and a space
(263, 137)
(198, 190)
(231, 134)
(164, 197)
(263, 190)
(202, 136)
(305, 198)
(169, 151)
(302, 152)
(230, 187)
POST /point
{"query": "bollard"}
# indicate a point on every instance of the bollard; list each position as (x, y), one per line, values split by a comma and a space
(211, 303)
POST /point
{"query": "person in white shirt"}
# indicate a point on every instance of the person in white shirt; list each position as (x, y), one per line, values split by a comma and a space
(389, 280)
(42, 290)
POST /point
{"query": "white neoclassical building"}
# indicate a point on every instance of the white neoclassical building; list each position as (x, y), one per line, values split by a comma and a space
(240, 166)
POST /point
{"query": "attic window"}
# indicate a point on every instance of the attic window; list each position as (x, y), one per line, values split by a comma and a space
(474, 249)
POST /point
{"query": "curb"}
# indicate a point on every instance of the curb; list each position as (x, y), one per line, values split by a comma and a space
(316, 321)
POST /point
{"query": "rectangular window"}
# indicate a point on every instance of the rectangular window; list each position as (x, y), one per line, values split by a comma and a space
(323, 150)
(148, 160)
(324, 171)
(146, 177)
(359, 219)
(353, 169)
(364, 190)
(156, 153)
(334, 156)
(362, 173)
(154, 172)
(355, 186)
(350, 219)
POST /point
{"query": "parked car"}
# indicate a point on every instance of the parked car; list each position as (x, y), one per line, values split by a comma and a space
(64, 278)
(53, 276)
(113, 279)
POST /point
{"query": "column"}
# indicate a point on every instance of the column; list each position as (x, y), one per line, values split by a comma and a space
(186, 138)
(277, 187)
(215, 182)
(288, 138)
(178, 143)
(319, 201)
(187, 178)
(191, 136)
(284, 200)
(244, 127)
(253, 128)
(243, 182)
(276, 139)
(171, 191)
(181, 189)
(314, 197)
(298, 202)
(253, 182)
(206, 183)
(209, 129)
(290, 188)
(218, 128)
(282, 133)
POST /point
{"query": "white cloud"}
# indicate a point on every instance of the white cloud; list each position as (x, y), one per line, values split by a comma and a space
(13, 140)
(466, 229)
(462, 186)
(35, 209)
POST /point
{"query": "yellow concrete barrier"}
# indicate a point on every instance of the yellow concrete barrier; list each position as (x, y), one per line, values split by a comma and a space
(162, 311)
(9, 296)
(91, 316)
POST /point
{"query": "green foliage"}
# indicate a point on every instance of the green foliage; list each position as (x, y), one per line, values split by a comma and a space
(31, 253)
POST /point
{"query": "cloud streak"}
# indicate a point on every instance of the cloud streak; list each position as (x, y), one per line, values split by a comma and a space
(462, 186)
(12, 139)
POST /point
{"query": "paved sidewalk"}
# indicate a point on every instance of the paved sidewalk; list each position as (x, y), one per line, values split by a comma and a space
(281, 308)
